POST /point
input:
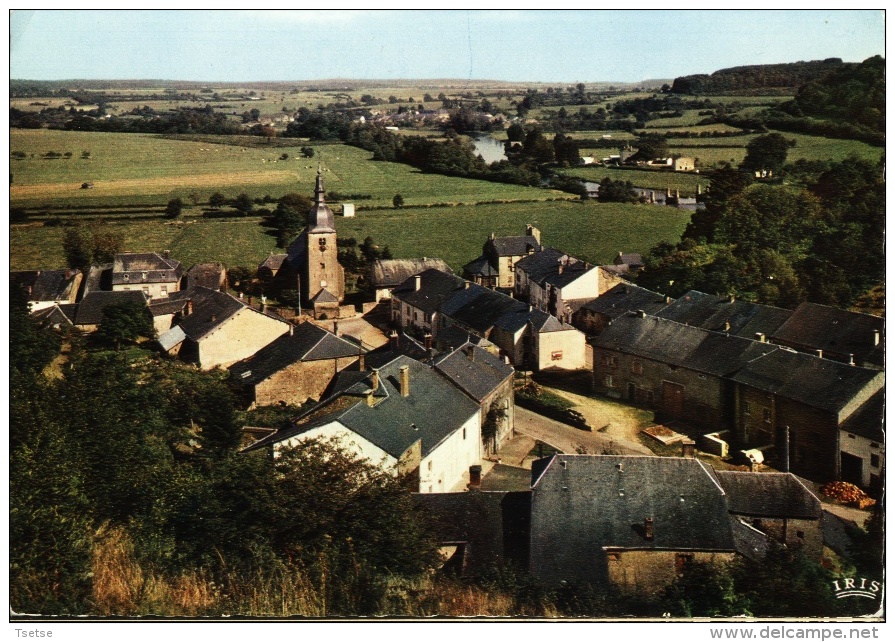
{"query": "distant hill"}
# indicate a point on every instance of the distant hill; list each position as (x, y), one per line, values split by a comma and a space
(751, 77)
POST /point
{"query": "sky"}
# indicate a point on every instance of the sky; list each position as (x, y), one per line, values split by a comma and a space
(513, 45)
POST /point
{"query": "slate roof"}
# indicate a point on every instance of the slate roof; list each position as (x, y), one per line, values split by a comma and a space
(171, 338)
(480, 267)
(479, 308)
(297, 252)
(325, 296)
(819, 383)
(207, 275)
(475, 371)
(47, 285)
(625, 298)
(160, 307)
(541, 264)
(454, 336)
(432, 411)
(628, 258)
(832, 330)
(91, 307)
(868, 420)
(665, 341)
(307, 342)
(768, 495)
(210, 309)
(386, 273)
(144, 267)
(514, 245)
(386, 353)
(435, 287)
(591, 503)
(273, 262)
(713, 313)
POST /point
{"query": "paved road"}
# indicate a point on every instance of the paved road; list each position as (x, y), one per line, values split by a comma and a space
(571, 440)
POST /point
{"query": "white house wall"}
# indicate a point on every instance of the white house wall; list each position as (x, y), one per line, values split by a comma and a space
(442, 469)
(865, 449)
(348, 440)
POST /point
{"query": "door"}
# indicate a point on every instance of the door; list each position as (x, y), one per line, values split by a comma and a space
(672, 399)
(852, 469)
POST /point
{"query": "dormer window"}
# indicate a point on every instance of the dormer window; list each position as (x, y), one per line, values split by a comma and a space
(127, 277)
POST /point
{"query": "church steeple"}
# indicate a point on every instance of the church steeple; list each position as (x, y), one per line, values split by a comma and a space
(320, 217)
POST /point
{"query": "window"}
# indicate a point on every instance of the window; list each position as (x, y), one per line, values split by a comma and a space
(164, 290)
(322, 244)
(464, 432)
(874, 461)
(609, 361)
(681, 560)
(556, 355)
(430, 464)
(800, 534)
(650, 397)
(767, 415)
(637, 367)
(608, 381)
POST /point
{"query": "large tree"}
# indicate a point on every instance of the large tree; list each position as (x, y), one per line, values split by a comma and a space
(766, 153)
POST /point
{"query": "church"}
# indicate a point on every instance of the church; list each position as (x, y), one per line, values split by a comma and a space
(312, 260)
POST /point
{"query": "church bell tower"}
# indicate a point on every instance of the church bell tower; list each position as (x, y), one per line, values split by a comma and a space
(323, 278)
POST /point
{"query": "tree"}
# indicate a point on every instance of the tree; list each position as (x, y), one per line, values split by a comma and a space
(174, 208)
(766, 153)
(217, 200)
(398, 201)
(244, 204)
(307, 152)
(616, 191)
(289, 217)
(106, 243)
(125, 323)
(76, 246)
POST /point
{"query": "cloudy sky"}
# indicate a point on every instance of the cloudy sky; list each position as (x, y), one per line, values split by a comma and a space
(515, 45)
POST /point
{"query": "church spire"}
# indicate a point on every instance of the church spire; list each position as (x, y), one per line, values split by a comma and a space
(320, 217)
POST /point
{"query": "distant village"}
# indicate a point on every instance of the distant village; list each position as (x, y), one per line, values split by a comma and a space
(422, 380)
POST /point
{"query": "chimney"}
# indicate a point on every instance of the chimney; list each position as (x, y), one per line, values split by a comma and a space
(688, 448)
(492, 237)
(291, 329)
(336, 328)
(189, 307)
(166, 254)
(427, 341)
(759, 336)
(374, 380)
(560, 268)
(417, 282)
(668, 300)
(475, 476)
(876, 337)
(466, 285)
(648, 532)
(851, 359)
(783, 448)
(732, 298)
(393, 340)
(819, 353)
(531, 230)
(371, 401)
(727, 326)
(362, 362)
(641, 314)
(405, 380)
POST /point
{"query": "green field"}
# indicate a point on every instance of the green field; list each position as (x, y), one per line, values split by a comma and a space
(685, 182)
(591, 231)
(147, 169)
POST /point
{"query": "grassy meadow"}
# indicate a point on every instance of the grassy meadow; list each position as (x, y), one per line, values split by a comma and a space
(592, 231)
(148, 169)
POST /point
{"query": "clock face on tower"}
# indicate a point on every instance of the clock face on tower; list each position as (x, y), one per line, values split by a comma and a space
(323, 284)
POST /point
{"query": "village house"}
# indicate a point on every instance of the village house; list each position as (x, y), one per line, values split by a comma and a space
(594, 316)
(217, 329)
(417, 302)
(556, 283)
(153, 274)
(496, 266)
(725, 314)
(404, 417)
(294, 367)
(778, 505)
(207, 275)
(46, 288)
(683, 163)
(387, 274)
(656, 515)
(849, 337)
(678, 370)
(89, 313)
(270, 267)
(488, 381)
(810, 398)
(862, 445)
